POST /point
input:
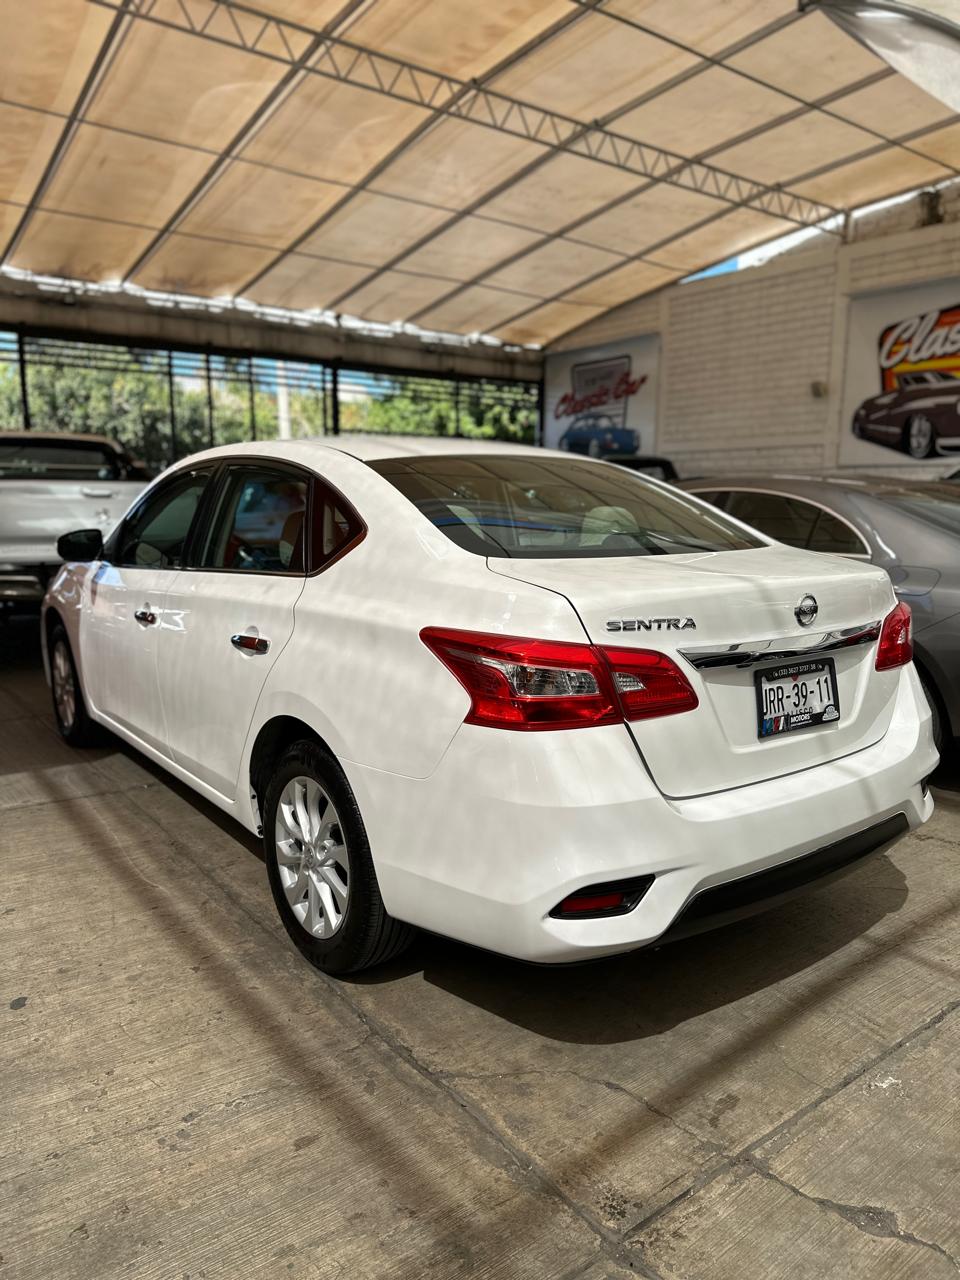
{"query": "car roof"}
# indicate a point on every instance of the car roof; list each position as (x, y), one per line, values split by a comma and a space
(813, 485)
(372, 448)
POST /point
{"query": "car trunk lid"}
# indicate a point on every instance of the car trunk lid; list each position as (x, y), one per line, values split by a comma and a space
(681, 604)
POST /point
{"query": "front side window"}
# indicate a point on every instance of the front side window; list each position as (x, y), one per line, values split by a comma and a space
(554, 507)
(22, 459)
(259, 524)
(155, 533)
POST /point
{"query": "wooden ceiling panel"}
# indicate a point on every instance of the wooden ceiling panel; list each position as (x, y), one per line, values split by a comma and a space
(171, 85)
(476, 310)
(622, 285)
(741, 229)
(558, 192)
(454, 163)
(656, 213)
(372, 229)
(799, 146)
(306, 284)
(29, 138)
(334, 131)
(456, 37)
(79, 248)
(208, 268)
(10, 215)
(115, 175)
(810, 57)
(553, 268)
(593, 68)
(394, 295)
(470, 247)
(708, 28)
(704, 111)
(260, 206)
(546, 323)
(47, 49)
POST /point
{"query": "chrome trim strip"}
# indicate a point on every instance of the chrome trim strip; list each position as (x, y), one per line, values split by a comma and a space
(750, 652)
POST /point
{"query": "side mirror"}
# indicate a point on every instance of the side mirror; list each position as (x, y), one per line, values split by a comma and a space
(83, 545)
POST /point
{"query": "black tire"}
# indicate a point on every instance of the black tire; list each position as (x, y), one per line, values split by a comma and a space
(74, 726)
(366, 935)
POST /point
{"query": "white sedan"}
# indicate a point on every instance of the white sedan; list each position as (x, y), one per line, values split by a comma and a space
(530, 701)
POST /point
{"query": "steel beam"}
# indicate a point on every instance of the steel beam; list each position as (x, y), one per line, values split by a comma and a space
(353, 64)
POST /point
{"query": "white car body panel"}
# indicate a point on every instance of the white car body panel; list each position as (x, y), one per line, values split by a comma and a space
(477, 832)
(36, 510)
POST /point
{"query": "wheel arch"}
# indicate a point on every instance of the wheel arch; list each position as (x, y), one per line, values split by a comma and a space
(933, 678)
(273, 738)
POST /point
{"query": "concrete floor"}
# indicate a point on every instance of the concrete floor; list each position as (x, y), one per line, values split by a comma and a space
(184, 1098)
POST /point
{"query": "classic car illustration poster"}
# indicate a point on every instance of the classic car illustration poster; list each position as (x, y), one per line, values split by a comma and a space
(902, 393)
(603, 400)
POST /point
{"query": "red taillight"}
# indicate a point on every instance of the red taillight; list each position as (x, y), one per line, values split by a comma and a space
(649, 684)
(518, 683)
(579, 904)
(895, 648)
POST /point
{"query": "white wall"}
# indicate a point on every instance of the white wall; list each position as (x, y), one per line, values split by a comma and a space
(741, 352)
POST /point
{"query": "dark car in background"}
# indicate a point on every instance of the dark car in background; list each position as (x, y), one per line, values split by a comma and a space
(909, 528)
(921, 416)
(596, 434)
(646, 464)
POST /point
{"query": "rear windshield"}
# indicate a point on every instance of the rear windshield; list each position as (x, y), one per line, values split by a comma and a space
(57, 460)
(555, 507)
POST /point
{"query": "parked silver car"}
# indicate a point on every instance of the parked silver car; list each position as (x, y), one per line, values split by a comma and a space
(910, 528)
(51, 482)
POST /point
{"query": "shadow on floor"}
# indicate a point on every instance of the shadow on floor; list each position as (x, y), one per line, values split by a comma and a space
(627, 997)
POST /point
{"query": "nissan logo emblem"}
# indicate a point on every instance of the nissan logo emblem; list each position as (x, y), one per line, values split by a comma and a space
(806, 610)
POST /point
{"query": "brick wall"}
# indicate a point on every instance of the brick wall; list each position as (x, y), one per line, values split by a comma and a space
(741, 352)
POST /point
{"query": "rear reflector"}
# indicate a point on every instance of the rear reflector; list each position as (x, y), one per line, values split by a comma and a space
(520, 683)
(895, 648)
(596, 900)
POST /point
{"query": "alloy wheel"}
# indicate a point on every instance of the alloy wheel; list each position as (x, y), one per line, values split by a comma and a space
(64, 689)
(312, 857)
(920, 438)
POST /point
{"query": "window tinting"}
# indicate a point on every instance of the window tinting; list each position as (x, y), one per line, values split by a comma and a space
(259, 525)
(57, 460)
(786, 519)
(551, 507)
(832, 535)
(154, 534)
(334, 525)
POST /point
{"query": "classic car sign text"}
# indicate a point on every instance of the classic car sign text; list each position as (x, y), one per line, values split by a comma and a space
(919, 338)
(569, 405)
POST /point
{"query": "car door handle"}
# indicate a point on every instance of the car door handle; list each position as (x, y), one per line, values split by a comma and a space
(96, 493)
(250, 644)
(145, 616)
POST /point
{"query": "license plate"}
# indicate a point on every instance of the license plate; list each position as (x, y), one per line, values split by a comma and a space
(796, 695)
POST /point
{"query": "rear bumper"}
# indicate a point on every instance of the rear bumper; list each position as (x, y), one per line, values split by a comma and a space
(510, 824)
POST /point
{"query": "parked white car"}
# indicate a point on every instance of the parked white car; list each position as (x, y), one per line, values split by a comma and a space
(526, 700)
(52, 481)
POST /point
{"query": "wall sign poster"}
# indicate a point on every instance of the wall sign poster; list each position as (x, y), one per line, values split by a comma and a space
(603, 400)
(901, 400)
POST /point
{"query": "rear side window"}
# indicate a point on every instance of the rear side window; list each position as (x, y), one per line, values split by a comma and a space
(555, 507)
(786, 519)
(260, 523)
(832, 535)
(794, 522)
(155, 533)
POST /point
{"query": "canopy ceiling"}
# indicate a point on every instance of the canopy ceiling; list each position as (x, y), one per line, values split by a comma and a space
(512, 167)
